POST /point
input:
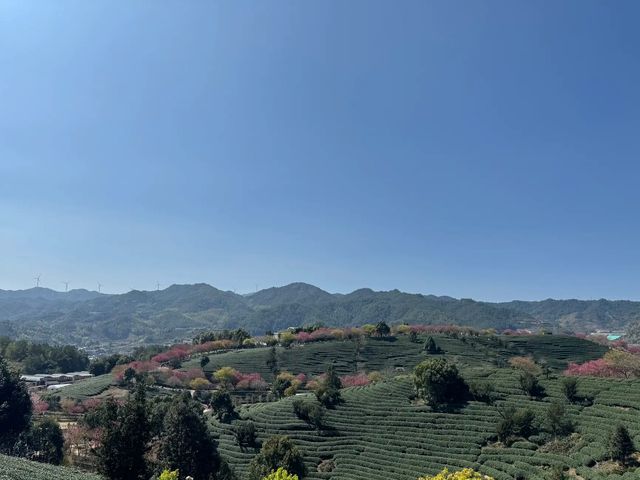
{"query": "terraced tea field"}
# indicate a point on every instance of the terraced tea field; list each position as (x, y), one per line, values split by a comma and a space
(378, 433)
(396, 353)
(12, 468)
(557, 350)
(87, 388)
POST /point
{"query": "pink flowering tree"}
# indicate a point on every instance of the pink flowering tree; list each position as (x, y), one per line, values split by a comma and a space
(39, 405)
(358, 380)
(250, 381)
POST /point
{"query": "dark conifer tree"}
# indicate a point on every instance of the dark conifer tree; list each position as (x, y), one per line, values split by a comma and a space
(187, 444)
(125, 440)
(15, 406)
(621, 445)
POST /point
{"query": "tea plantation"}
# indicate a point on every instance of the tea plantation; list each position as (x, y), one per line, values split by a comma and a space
(12, 468)
(381, 432)
(399, 352)
(88, 388)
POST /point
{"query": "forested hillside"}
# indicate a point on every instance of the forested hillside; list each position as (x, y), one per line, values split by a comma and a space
(581, 315)
(94, 320)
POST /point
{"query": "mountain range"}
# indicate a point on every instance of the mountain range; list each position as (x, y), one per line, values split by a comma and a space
(105, 322)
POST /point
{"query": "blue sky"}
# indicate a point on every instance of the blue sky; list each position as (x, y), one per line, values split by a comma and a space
(475, 149)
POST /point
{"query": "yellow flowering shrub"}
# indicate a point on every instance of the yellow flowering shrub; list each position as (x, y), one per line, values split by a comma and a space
(465, 474)
(169, 475)
(403, 329)
(225, 375)
(281, 474)
(199, 384)
(526, 364)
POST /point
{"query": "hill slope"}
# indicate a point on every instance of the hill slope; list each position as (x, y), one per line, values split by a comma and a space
(383, 432)
(380, 432)
(178, 312)
(301, 293)
(12, 468)
(581, 315)
(116, 322)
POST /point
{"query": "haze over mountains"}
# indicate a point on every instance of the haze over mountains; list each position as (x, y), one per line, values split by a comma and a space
(92, 320)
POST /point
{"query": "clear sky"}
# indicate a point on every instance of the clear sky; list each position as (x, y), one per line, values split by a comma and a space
(470, 148)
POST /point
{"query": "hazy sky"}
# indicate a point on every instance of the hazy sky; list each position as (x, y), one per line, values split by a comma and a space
(475, 149)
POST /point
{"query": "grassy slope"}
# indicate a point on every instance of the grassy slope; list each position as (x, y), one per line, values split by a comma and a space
(19, 469)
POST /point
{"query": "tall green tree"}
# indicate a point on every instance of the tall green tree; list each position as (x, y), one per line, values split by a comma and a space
(621, 445)
(121, 455)
(530, 385)
(15, 406)
(272, 361)
(222, 404)
(557, 421)
(328, 390)
(570, 389)
(277, 452)
(204, 361)
(46, 442)
(439, 383)
(382, 329)
(430, 346)
(187, 444)
(246, 435)
(309, 411)
(515, 424)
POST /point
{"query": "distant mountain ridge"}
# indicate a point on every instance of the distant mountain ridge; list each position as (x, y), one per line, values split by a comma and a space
(293, 293)
(581, 315)
(104, 321)
(77, 294)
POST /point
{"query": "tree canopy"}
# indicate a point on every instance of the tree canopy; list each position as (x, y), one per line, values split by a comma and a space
(621, 446)
(382, 329)
(438, 382)
(308, 411)
(187, 444)
(277, 452)
(328, 389)
(46, 442)
(125, 438)
(15, 406)
(43, 358)
(431, 347)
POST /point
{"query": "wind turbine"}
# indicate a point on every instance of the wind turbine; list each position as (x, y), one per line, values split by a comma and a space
(158, 286)
(66, 286)
(37, 279)
(99, 287)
